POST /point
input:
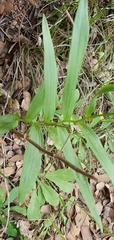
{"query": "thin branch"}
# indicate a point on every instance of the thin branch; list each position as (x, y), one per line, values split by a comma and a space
(55, 155)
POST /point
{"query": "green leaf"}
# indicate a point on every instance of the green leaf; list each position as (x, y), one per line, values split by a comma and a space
(41, 198)
(98, 150)
(9, 238)
(70, 201)
(61, 178)
(77, 50)
(62, 174)
(31, 164)
(34, 207)
(19, 209)
(51, 196)
(8, 122)
(105, 89)
(92, 105)
(36, 105)
(2, 197)
(50, 74)
(13, 195)
(111, 145)
(11, 230)
(82, 181)
(53, 134)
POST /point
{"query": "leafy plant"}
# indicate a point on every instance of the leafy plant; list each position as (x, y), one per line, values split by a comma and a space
(44, 114)
(11, 229)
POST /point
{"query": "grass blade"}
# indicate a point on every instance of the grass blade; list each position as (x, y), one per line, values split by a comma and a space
(78, 47)
(50, 74)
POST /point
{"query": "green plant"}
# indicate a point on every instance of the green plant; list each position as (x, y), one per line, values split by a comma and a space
(43, 114)
(11, 228)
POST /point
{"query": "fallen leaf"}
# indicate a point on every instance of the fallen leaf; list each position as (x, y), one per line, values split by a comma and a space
(109, 213)
(5, 6)
(58, 237)
(82, 218)
(74, 231)
(8, 171)
(46, 209)
(94, 64)
(100, 186)
(26, 101)
(16, 158)
(86, 234)
(24, 229)
(99, 207)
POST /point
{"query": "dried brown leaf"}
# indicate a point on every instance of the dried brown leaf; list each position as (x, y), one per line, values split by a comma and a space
(8, 171)
(26, 101)
(24, 229)
(99, 207)
(86, 234)
(46, 209)
(16, 158)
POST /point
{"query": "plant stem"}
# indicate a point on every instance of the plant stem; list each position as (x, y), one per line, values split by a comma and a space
(55, 155)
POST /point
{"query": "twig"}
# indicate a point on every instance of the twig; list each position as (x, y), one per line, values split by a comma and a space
(55, 155)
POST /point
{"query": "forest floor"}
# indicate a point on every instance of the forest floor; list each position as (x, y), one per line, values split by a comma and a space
(21, 73)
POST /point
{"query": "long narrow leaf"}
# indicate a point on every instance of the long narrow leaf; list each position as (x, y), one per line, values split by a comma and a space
(78, 47)
(98, 150)
(50, 74)
(36, 104)
(31, 165)
(92, 105)
(82, 181)
(105, 89)
(8, 122)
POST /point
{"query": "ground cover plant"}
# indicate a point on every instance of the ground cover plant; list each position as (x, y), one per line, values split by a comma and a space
(55, 117)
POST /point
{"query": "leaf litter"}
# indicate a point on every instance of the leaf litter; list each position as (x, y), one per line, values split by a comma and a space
(19, 73)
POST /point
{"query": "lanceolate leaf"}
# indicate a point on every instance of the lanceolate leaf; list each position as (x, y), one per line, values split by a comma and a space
(62, 174)
(61, 178)
(36, 104)
(92, 105)
(50, 74)
(78, 47)
(51, 196)
(21, 210)
(8, 122)
(98, 150)
(82, 181)
(33, 210)
(31, 164)
(105, 89)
